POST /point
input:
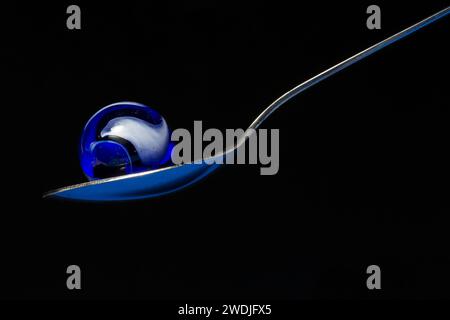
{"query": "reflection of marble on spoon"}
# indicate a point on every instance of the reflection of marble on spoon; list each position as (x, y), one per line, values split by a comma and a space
(162, 181)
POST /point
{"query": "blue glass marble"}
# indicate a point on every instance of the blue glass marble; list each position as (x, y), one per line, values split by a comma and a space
(124, 138)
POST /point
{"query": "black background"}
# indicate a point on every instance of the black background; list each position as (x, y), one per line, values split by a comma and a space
(363, 162)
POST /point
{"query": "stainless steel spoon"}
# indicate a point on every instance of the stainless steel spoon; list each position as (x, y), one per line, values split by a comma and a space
(170, 179)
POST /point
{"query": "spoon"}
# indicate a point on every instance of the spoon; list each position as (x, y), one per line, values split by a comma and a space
(162, 181)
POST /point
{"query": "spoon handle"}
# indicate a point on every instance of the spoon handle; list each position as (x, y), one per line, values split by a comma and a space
(344, 64)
